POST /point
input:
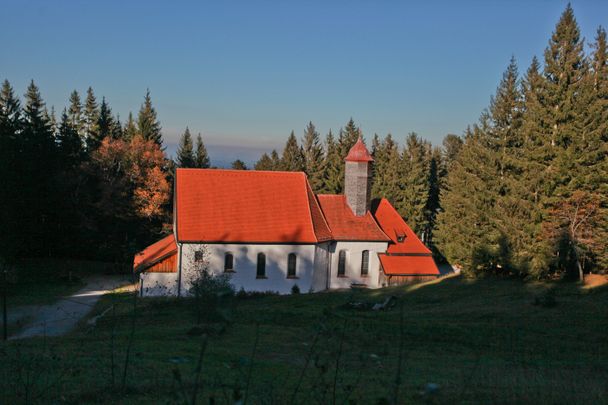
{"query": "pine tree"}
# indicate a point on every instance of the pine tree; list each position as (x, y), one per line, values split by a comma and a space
(566, 95)
(333, 178)
(130, 129)
(91, 116)
(313, 157)
(387, 172)
(117, 128)
(75, 114)
(265, 163)
(69, 143)
(185, 151)
(11, 163)
(10, 114)
(202, 157)
(239, 165)
(276, 160)
(37, 125)
(38, 169)
(465, 233)
(292, 159)
(414, 185)
(452, 144)
(105, 126)
(147, 121)
(433, 203)
(505, 117)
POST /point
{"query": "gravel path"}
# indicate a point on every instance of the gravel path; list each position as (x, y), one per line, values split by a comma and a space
(61, 317)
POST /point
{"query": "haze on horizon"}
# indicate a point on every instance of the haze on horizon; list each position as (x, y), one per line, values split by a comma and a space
(245, 74)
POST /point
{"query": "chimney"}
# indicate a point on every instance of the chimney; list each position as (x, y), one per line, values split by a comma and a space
(358, 178)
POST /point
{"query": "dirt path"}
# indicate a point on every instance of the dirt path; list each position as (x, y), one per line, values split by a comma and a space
(61, 317)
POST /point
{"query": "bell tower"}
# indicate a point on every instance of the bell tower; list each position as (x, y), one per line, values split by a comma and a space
(358, 178)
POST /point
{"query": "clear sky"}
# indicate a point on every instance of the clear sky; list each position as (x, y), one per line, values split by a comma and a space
(245, 73)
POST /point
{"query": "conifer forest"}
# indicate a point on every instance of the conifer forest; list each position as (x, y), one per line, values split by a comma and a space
(521, 192)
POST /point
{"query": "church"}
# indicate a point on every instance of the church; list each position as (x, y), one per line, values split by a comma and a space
(270, 232)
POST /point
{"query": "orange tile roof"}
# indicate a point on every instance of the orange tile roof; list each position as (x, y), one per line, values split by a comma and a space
(345, 225)
(155, 252)
(394, 226)
(402, 265)
(359, 153)
(216, 205)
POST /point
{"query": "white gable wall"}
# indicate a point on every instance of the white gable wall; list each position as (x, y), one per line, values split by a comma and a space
(354, 251)
(245, 265)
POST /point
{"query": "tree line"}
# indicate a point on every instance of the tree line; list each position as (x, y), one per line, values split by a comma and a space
(522, 193)
(83, 186)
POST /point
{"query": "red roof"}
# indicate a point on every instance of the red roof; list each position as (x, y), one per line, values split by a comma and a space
(395, 227)
(408, 265)
(216, 205)
(345, 225)
(154, 253)
(406, 254)
(359, 153)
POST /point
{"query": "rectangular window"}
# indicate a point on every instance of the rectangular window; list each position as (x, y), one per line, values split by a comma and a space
(364, 262)
(199, 256)
(261, 270)
(228, 262)
(342, 263)
(291, 265)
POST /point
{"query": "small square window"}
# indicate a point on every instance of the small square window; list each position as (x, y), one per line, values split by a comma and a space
(400, 237)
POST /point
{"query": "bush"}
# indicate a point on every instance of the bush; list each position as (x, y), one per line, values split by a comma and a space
(295, 289)
(212, 295)
(242, 294)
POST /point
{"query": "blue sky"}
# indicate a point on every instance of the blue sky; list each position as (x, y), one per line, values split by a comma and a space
(246, 73)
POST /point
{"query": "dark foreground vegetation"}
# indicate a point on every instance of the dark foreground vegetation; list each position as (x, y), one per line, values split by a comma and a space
(453, 341)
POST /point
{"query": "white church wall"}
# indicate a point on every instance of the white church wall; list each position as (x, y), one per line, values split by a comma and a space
(158, 284)
(354, 251)
(245, 265)
(319, 282)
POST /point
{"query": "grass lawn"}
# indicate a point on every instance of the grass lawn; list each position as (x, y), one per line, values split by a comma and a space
(453, 341)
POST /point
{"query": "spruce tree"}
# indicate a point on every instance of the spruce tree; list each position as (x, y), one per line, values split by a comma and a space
(91, 117)
(465, 233)
(130, 129)
(10, 113)
(117, 128)
(11, 169)
(333, 178)
(313, 157)
(292, 159)
(239, 165)
(414, 189)
(264, 163)
(147, 121)
(75, 115)
(69, 143)
(201, 157)
(451, 146)
(387, 172)
(185, 151)
(276, 160)
(105, 126)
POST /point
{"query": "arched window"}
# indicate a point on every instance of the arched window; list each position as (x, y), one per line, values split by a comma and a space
(342, 263)
(364, 262)
(228, 262)
(261, 272)
(291, 265)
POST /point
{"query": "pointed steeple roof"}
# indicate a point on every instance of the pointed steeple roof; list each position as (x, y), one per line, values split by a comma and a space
(359, 152)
